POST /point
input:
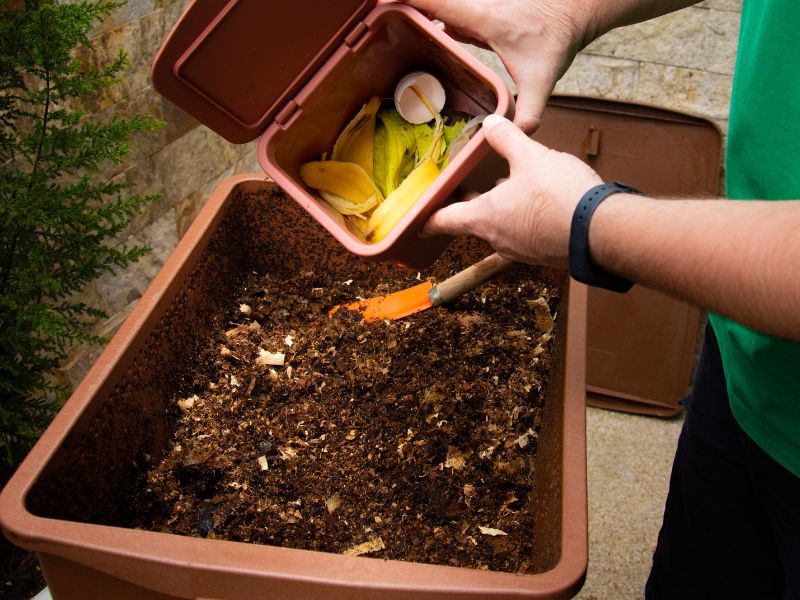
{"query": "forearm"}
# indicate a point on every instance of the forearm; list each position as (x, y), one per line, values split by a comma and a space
(740, 259)
(605, 15)
(737, 258)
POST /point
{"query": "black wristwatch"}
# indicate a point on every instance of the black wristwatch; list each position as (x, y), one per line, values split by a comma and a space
(581, 266)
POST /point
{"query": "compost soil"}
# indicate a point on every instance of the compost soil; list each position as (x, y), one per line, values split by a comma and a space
(412, 439)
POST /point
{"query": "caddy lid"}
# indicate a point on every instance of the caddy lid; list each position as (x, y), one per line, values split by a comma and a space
(232, 64)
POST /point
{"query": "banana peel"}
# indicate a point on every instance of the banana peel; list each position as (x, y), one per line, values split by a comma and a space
(435, 148)
(347, 186)
(397, 204)
(381, 165)
(348, 207)
(394, 150)
(355, 143)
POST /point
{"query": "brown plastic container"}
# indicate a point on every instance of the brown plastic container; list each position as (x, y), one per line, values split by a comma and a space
(295, 73)
(85, 467)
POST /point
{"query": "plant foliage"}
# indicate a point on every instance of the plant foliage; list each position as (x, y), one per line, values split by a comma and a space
(58, 214)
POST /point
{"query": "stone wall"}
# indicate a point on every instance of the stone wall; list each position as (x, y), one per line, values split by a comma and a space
(683, 61)
(183, 161)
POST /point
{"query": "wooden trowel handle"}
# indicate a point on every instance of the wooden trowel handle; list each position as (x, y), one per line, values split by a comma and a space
(468, 279)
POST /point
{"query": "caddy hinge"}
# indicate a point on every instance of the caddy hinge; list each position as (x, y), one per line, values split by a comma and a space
(287, 114)
(356, 35)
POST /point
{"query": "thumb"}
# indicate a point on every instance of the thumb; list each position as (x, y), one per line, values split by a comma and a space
(510, 142)
(535, 86)
(453, 219)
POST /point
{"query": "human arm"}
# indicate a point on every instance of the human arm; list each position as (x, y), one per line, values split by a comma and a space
(737, 258)
(537, 40)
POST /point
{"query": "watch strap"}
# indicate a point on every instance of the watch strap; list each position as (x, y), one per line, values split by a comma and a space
(581, 266)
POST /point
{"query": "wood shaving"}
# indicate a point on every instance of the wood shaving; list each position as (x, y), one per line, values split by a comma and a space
(373, 545)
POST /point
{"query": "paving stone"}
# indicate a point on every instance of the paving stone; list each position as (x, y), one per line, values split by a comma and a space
(696, 38)
(629, 463)
(729, 5)
(123, 286)
(674, 39)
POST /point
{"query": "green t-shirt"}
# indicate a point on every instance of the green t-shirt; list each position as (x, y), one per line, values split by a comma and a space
(763, 163)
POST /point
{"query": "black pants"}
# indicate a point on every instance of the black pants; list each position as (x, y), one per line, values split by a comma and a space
(732, 520)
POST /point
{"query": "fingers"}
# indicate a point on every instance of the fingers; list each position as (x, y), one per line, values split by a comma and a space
(511, 143)
(436, 9)
(467, 217)
(534, 88)
(453, 219)
(528, 110)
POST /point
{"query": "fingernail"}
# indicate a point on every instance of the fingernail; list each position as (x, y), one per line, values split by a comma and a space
(493, 120)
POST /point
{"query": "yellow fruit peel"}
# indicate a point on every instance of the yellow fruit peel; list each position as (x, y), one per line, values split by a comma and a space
(348, 182)
(355, 142)
(397, 204)
(381, 165)
(394, 150)
(348, 207)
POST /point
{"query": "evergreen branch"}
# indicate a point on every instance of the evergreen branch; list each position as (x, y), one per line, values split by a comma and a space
(58, 216)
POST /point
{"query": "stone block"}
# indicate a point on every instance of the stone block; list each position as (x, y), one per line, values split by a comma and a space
(181, 167)
(162, 236)
(691, 91)
(121, 287)
(600, 77)
(148, 102)
(140, 39)
(721, 41)
(672, 39)
(694, 38)
(132, 10)
(187, 209)
(172, 10)
(90, 296)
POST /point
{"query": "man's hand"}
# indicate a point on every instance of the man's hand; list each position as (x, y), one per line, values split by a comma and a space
(527, 217)
(536, 40)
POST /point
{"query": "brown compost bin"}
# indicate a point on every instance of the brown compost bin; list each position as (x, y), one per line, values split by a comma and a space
(68, 498)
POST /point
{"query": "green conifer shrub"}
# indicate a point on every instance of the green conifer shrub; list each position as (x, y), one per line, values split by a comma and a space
(59, 214)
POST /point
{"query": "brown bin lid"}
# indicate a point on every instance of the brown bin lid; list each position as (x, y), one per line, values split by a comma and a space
(640, 345)
(232, 64)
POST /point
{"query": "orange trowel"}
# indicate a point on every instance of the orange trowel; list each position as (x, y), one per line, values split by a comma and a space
(425, 295)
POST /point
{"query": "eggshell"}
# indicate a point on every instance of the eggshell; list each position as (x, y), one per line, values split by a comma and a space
(417, 95)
